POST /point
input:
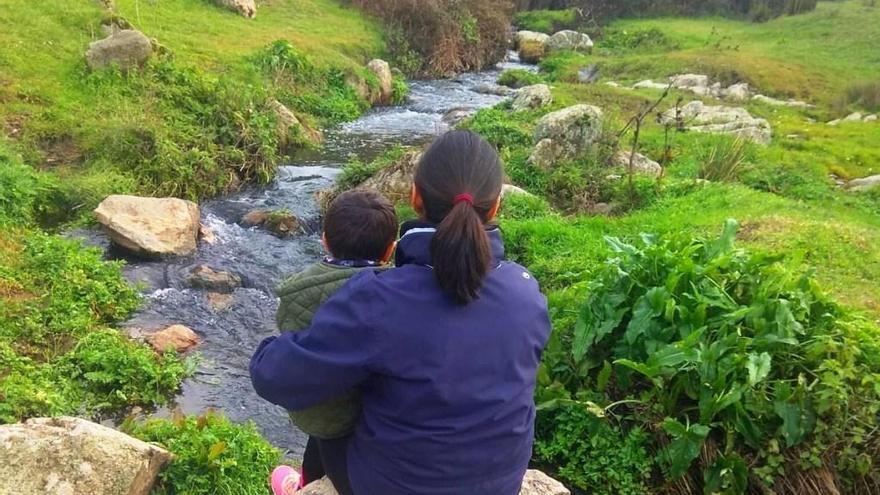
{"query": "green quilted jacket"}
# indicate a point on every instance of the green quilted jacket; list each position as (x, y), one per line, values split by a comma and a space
(301, 296)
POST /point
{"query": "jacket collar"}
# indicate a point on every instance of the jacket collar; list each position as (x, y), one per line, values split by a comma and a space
(414, 246)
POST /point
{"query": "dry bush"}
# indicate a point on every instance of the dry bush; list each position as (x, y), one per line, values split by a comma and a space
(449, 36)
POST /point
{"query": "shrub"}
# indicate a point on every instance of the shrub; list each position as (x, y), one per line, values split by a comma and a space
(213, 456)
(519, 78)
(356, 171)
(25, 194)
(500, 128)
(56, 354)
(862, 94)
(547, 21)
(722, 352)
(524, 206)
(564, 66)
(593, 455)
(449, 35)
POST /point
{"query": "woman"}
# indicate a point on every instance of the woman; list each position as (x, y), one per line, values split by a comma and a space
(444, 348)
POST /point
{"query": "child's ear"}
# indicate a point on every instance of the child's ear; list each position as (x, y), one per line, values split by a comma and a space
(389, 252)
(494, 211)
(415, 200)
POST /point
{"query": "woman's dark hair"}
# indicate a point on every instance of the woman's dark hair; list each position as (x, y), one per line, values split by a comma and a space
(459, 178)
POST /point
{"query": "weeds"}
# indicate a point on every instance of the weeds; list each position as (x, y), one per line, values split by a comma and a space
(519, 78)
(724, 160)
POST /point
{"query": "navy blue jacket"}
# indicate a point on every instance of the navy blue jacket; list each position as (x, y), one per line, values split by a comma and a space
(448, 406)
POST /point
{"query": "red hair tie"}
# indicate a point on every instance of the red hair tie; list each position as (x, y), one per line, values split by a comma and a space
(464, 197)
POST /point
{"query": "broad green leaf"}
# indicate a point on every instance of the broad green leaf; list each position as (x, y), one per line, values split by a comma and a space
(649, 371)
(728, 474)
(684, 447)
(758, 366)
(793, 427)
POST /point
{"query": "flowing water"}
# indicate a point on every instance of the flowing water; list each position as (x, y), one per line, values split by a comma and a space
(262, 260)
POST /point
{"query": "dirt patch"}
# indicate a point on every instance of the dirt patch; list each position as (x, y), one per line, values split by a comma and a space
(60, 151)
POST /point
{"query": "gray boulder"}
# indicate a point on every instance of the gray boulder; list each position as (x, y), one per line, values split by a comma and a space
(531, 97)
(205, 277)
(72, 456)
(781, 103)
(247, 8)
(395, 181)
(853, 117)
(864, 184)
(566, 133)
(150, 226)
(641, 164)
(699, 117)
(494, 89)
(871, 118)
(738, 92)
(649, 84)
(570, 40)
(289, 123)
(126, 49)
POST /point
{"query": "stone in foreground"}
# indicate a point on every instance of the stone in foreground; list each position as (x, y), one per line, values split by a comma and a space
(126, 49)
(72, 456)
(564, 134)
(150, 226)
(531, 97)
(534, 483)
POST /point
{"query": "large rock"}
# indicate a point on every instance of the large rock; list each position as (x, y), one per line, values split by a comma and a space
(72, 456)
(126, 49)
(247, 8)
(570, 40)
(150, 226)
(382, 71)
(699, 117)
(641, 163)
(532, 46)
(531, 97)
(864, 184)
(781, 103)
(534, 483)
(689, 81)
(738, 92)
(395, 181)
(566, 133)
(456, 116)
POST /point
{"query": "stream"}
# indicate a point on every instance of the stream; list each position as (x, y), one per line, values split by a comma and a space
(262, 260)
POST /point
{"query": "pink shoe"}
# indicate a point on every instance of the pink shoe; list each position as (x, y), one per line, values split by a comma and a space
(286, 481)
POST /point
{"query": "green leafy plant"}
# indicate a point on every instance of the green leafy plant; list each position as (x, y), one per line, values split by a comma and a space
(213, 456)
(721, 351)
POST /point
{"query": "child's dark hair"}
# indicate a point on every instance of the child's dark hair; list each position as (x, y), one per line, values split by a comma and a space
(459, 178)
(360, 225)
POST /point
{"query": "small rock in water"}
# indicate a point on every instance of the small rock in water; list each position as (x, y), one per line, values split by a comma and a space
(281, 223)
(493, 89)
(205, 277)
(207, 235)
(177, 338)
(73, 456)
(456, 116)
(220, 302)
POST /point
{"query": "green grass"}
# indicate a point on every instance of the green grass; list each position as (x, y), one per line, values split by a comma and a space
(195, 121)
(815, 56)
(546, 21)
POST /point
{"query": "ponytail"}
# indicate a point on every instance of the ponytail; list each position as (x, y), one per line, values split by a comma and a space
(459, 179)
(460, 253)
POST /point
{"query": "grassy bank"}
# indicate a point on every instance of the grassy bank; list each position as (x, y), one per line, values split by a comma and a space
(195, 121)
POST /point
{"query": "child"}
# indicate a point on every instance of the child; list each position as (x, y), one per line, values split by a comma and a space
(360, 228)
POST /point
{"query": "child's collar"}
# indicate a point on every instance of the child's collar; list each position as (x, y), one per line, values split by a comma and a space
(350, 263)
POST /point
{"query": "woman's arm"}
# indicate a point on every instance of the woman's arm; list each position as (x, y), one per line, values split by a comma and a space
(299, 370)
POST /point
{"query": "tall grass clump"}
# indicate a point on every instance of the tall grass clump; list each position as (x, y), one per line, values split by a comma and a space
(449, 36)
(865, 95)
(723, 160)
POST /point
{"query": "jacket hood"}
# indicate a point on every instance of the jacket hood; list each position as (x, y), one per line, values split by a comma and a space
(414, 246)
